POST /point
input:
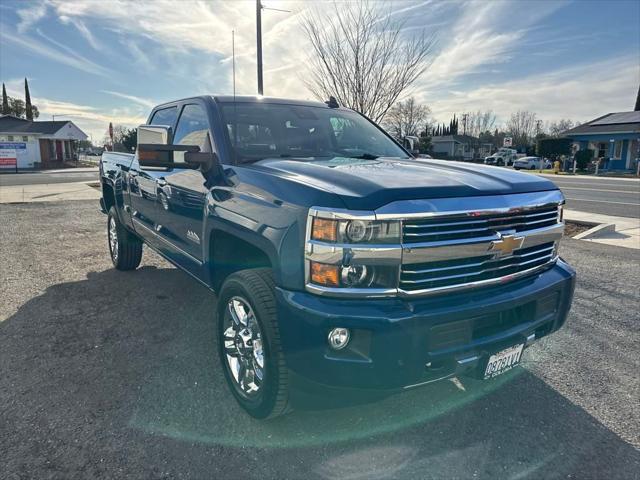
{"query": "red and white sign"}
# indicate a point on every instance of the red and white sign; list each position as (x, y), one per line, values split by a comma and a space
(9, 152)
(8, 158)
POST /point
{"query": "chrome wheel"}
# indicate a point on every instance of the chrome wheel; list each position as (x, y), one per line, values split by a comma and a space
(113, 239)
(243, 347)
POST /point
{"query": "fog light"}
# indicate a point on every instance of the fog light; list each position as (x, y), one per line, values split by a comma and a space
(338, 338)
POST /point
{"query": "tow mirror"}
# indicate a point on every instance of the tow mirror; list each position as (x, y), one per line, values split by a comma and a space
(155, 151)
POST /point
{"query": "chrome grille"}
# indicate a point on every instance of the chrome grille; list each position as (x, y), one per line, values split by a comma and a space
(454, 272)
(470, 225)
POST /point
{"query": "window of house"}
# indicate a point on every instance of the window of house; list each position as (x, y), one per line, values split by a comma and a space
(10, 138)
(25, 138)
(602, 150)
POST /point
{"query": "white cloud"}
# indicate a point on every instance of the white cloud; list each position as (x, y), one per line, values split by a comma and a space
(31, 15)
(580, 92)
(145, 102)
(483, 34)
(84, 31)
(62, 54)
(90, 119)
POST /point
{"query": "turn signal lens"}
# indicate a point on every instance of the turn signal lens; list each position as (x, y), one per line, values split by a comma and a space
(324, 229)
(326, 275)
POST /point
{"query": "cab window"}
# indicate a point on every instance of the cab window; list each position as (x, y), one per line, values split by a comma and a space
(166, 116)
(193, 128)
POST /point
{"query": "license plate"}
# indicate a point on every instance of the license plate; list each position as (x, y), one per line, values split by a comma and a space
(503, 361)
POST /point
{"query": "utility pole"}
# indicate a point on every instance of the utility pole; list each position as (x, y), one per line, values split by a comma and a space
(465, 116)
(259, 8)
(259, 45)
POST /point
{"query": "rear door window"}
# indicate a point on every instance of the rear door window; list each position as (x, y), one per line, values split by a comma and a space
(166, 116)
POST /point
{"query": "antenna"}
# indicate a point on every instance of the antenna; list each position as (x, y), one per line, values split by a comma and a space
(233, 54)
(235, 110)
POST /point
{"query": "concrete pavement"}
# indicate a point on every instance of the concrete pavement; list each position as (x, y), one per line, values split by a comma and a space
(66, 175)
(625, 231)
(53, 192)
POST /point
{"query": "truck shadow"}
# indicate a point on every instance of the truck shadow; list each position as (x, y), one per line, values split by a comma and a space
(129, 361)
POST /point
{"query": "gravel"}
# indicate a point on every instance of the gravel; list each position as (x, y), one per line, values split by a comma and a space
(109, 374)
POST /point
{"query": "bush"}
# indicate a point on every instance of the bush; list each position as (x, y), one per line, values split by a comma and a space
(583, 157)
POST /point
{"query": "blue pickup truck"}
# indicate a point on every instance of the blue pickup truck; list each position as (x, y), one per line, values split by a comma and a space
(338, 259)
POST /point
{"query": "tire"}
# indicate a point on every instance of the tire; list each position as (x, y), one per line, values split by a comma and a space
(125, 249)
(532, 167)
(251, 292)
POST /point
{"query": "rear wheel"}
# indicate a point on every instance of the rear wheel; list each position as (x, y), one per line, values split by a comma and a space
(124, 248)
(249, 344)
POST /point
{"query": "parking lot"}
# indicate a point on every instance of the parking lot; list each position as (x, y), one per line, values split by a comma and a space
(115, 374)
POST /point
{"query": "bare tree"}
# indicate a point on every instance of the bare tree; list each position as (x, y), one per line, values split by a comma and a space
(362, 57)
(478, 122)
(521, 126)
(406, 118)
(556, 129)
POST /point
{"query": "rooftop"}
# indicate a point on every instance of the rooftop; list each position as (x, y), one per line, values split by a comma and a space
(11, 124)
(617, 122)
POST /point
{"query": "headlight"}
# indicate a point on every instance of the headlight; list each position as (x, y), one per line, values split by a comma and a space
(355, 231)
(350, 253)
(353, 276)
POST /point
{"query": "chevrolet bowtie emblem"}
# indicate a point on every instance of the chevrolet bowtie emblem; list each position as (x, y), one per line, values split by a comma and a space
(506, 245)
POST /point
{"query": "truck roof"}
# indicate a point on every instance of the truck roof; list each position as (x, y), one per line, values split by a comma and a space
(252, 99)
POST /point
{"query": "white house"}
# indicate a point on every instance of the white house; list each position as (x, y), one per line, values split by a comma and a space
(465, 147)
(33, 144)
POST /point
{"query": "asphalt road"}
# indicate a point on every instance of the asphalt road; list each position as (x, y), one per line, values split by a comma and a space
(607, 196)
(110, 374)
(39, 178)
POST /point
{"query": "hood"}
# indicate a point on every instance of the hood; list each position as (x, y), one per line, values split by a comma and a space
(370, 184)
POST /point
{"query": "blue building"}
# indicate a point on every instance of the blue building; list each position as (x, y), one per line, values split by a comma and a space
(614, 138)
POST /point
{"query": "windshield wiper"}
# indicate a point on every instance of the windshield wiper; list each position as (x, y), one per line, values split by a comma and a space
(365, 156)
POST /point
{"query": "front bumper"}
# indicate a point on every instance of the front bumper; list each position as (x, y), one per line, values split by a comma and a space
(399, 343)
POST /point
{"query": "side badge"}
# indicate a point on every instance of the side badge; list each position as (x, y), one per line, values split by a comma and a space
(193, 237)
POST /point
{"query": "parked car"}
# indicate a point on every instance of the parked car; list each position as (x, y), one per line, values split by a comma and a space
(503, 157)
(532, 163)
(339, 261)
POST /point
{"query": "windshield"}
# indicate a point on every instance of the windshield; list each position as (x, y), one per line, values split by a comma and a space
(266, 130)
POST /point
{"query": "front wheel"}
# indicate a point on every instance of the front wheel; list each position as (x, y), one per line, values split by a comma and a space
(124, 248)
(249, 344)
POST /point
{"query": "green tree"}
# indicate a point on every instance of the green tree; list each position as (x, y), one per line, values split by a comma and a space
(553, 147)
(5, 101)
(27, 99)
(18, 109)
(130, 139)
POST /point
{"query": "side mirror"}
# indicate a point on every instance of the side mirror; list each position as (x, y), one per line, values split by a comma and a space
(154, 134)
(155, 151)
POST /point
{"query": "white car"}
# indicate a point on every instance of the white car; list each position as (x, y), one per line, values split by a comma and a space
(531, 163)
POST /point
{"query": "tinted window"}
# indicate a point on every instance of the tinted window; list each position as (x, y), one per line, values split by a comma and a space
(262, 130)
(166, 116)
(193, 127)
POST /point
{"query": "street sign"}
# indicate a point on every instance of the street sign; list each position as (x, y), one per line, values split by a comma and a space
(9, 152)
(507, 142)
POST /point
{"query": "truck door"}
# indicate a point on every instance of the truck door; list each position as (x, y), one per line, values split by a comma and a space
(182, 192)
(143, 185)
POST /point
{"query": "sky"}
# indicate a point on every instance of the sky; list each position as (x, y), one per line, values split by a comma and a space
(95, 62)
